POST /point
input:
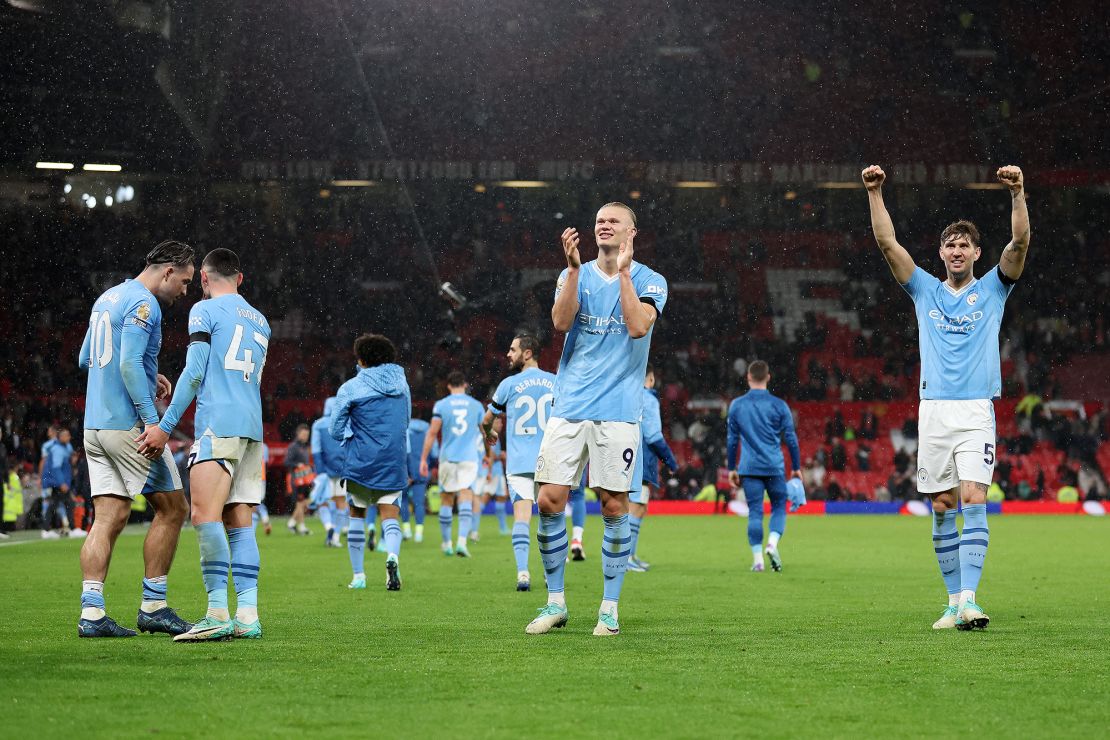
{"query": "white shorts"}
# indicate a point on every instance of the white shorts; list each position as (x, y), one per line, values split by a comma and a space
(610, 447)
(523, 488)
(494, 487)
(241, 457)
(335, 488)
(364, 497)
(640, 497)
(454, 477)
(956, 441)
(116, 468)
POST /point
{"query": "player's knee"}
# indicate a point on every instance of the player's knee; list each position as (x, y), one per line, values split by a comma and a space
(614, 506)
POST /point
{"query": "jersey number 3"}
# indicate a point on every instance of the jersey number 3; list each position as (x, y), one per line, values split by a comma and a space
(245, 365)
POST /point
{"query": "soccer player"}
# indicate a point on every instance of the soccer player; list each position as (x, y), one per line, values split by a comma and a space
(759, 422)
(56, 480)
(653, 449)
(525, 400)
(120, 352)
(458, 457)
(417, 491)
(491, 478)
(228, 341)
(327, 457)
(607, 309)
(371, 419)
(957, 322)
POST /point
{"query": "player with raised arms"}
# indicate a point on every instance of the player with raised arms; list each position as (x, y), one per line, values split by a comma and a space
(607, 308)
(459, 453)
(958, 321)
(525, 400)
(228, 341)
(120, 352)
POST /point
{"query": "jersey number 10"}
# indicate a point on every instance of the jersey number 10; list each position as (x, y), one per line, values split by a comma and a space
(245, 365)
(100, 349)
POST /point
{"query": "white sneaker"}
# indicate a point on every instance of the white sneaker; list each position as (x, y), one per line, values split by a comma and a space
(550, 617)
(607, 625)
(78, 533)
(775, 558)
(49, 534)
(947, 620)
(5, 536)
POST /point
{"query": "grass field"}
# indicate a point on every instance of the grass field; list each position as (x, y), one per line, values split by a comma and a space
(838, 644)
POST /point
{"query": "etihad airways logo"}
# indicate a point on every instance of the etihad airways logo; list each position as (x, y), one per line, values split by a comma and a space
(601, 324)
(963, 324)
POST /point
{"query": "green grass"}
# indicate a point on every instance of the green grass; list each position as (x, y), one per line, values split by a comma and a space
(839, 644)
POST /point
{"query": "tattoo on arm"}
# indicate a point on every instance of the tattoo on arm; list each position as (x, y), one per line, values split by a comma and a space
(980, 486)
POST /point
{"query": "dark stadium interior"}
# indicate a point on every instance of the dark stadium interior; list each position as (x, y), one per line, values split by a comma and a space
(223, 121)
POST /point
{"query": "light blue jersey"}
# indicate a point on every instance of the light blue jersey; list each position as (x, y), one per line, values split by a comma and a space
(121, 353)
(958, 335)
(223, 368)
(526, 400)
(602, 368)
(462, 428)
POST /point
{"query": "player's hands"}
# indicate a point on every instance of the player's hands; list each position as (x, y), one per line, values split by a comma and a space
(734, 479)
(152, 441)
(165, 387)
(796, 474)
(570, 248)
(492, 436)
(424, 469)
(873, 177)
(624, 254)
(1011, 177)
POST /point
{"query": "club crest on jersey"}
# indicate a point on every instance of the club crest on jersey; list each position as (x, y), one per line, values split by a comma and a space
(539, 463)
(972, 299)
(922, 475)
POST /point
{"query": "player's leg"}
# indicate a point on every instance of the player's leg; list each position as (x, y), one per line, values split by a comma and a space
(419, 503)
(551, 538)
(973, 552)
(481, 500)
(210, 485)
(776, 491)
(245, 565)
(578, 522)
(946, 545)
(523, 489)
(111, 513)
(501, 504)
(616, 543)
(406, 516)
(446, 518)
(754, 488)
(466, 516)
(319, 501)
(637, 512)
(391, 537)
(373, 544)
(356, 539)
(159, 548)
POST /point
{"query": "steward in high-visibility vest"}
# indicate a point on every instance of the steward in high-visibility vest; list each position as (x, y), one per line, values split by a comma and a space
(13, 498)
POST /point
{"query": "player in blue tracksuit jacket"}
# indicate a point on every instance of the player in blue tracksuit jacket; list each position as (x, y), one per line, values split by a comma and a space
(417, 491)
(327, 492)
(653, 448)
(762, 421)
(372, 412)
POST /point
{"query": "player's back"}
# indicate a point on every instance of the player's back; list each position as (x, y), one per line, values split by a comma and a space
(526, 399)
(128, 307)
(461, 415)
(763, 419)
(229, 403)
(602, 367)
(324, 444)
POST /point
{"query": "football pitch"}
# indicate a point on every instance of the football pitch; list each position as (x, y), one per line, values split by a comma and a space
(838, 644)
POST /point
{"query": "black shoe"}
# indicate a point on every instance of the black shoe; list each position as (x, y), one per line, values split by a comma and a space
(164, 620)
(372, 540)
(392, 576)
(103, 627)
(576, 553)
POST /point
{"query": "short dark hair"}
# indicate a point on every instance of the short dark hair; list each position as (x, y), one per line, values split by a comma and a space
(221, 261)
(171, 252)
(455, 379)
(303, 428)
(528, 342)
(963, 226)
(374, 349)
(758, 371)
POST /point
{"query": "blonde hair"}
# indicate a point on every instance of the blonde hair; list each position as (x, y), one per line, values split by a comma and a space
(617, 204)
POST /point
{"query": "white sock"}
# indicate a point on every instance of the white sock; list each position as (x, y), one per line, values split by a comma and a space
(576, 533)
(220, 614)
(360, 575)
(757, 553)
(559, 598)
(149, 607)
(92, 612)
(461, 543)
(773, 540)
(420, 529)
(953, 599)
(967, 595)
(523, 574)
(608, 605)
(247, 614)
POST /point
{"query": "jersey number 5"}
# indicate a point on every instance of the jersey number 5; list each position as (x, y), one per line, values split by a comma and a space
(245, 365)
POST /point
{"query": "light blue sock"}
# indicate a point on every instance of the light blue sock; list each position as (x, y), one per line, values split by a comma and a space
(356, 543)
(947, 547)
(475, 516)
(391, 535)
(215, 560)
(92, 594)
(634, 523)
(578, 508)
(466, 509)
(553, 543)
(973, 545)
(342, 519)
(522, 541)
(616, 542)
(245, 563)
(371, 517)
(326, 514)
(154, 589)
(446, 518)
(502, 520)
